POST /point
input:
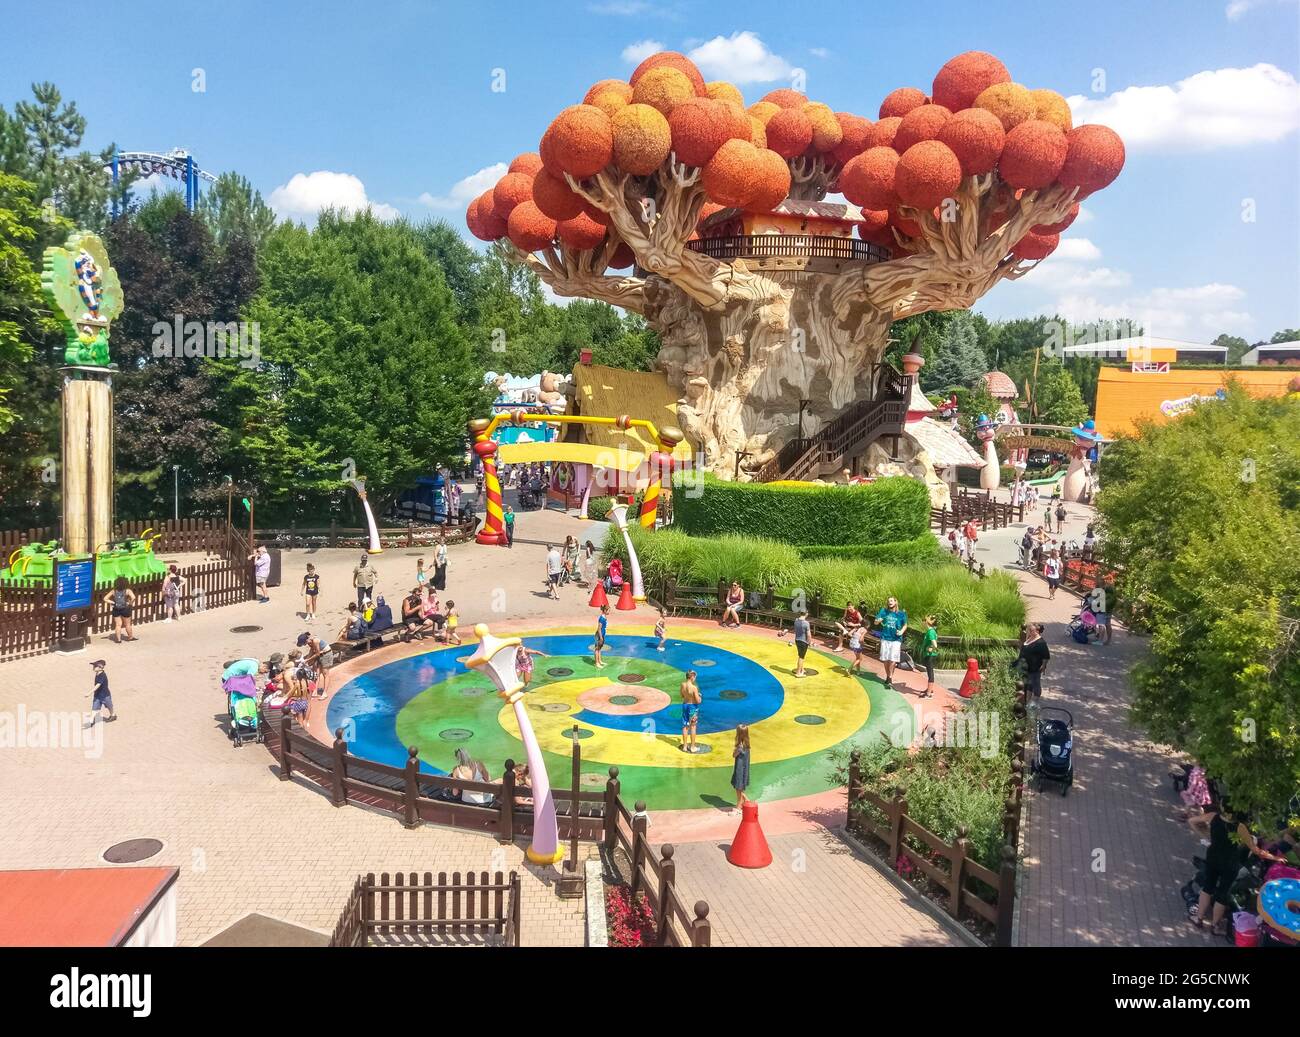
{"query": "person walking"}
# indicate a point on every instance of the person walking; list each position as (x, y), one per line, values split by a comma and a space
(261, 572)
(893, 625)
(602, 625)
(509, 524)
(588, 563)
(929, 652)
(363, 579)
(690, 711)
(310, 591)
(173, 589)
(661, 631)
(122, 598)
(1052, 570)
(802, 635)
(100, 697)
(440, 562)
(1033, 659)
(1060, 516)
(554, 571)
(740, 764)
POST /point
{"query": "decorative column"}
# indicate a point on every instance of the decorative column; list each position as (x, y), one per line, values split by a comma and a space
(661, 465)
(376, 548)
(495, 656)
(618, 515)
(991, 474)
(493, 531)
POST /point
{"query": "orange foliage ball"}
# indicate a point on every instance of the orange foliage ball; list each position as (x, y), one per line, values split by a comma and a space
(511, 190)
(1060, 225)
(922, 123)
(867, 180)
(1033, 155)
(976, 138)
(1052, 107)
(1094, 158)
(529, 162)
(529, 228)
(622, 258)
(771, 182)
(554, 197)
(827, 134)
(965, 77)
(721, 91)
(789, 132)
(898, 103)
(927, 173)
(763, 110)
(908, 227)
(663, 88)
(730, 175)
(1035, 246)
(599, 215)
(617, 87)
(872, 224)
(786, 98)
(882, 133)
(678, 63)
(642, 139)
(581, 233)
(482, 220)
(1010, 102)
(609, 101)
(854, 133)
(699, 127)
(582, 140)
(757, 131)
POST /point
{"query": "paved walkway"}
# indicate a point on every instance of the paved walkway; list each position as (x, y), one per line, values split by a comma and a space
(1103, 865)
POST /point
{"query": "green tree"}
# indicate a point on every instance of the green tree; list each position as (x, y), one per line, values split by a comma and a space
(959, 360)
(232, 207)
(1285, 335)
(1237, 347)
(1056, 399)
(1202, 518)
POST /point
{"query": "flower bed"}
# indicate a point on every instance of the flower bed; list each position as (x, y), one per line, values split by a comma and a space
(629, 923)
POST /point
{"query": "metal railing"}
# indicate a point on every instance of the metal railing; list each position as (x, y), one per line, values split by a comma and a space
(781, 246)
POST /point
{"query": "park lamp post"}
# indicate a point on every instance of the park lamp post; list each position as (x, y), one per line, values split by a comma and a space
(496, 656)
(618, 515)
(176, 496)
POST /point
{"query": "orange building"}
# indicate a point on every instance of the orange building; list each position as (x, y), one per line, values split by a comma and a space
(1125, 395)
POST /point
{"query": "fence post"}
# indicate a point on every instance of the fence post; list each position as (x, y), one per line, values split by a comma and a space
(1006, 896)
(638, 846)
(506, 815)
(293, 531)
(410, 532)
(412, 815)
(897, 811)
(611, 809)
(769, 598)
(722, 596)
(667, 876)
(339, 770)
(855, 784)
(286, 726)
(816, 607)
(958, 874)
(334, 533)
(700, 930)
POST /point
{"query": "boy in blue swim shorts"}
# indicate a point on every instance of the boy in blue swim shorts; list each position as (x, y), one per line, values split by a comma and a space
(690, 711)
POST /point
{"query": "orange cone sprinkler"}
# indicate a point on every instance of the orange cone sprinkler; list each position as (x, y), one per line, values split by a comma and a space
(493, 531)
(749, 848)
(495, 656)
(970, 684)
(662, 463)
(625, 600)
(618, 516)
(598, 597)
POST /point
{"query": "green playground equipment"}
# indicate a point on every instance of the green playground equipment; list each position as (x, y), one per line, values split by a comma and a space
(131, 557)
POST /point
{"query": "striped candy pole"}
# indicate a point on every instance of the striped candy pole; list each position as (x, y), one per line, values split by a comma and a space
(493, 531)
(661, 462)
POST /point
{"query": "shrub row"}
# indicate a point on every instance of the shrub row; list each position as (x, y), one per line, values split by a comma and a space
(924, 550)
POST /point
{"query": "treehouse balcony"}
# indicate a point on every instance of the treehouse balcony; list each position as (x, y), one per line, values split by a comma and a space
(829, 251)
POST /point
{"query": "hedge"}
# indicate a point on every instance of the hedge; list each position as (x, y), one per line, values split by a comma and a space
(882, 512)
(922, 551)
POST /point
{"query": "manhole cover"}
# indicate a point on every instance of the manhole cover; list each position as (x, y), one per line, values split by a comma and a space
(582, 733)
(623, 700)
(810, 672)
(456, 734)
(732, 694)
(558, 671)
(703, 662)
(809, 718)
(631, 678)
(250, 629)
(701, 749)
(132, 851)
(555, 707)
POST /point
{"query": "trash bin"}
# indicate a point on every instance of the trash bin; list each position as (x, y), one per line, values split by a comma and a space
(273, 580)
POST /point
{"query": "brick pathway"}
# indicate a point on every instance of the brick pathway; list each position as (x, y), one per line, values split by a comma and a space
(1103, 865)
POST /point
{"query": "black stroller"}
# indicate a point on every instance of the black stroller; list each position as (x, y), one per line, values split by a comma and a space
(1054, 760)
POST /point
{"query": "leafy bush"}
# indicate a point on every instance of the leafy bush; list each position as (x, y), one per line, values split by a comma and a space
(598, 508)
(881, 512)
(922, 551)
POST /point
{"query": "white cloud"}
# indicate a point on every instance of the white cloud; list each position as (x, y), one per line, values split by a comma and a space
(1237, 8)
(1086, 215)
(740, 58)
(307, 193)
(466, 189)
(819, 52)
(1080, 249)
(1198, 313)
(1226, 107)
(635, 53)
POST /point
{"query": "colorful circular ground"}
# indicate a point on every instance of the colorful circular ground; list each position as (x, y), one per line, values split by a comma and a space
(629, 713)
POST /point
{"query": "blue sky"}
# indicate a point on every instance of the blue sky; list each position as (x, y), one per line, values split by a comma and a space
(396, 99)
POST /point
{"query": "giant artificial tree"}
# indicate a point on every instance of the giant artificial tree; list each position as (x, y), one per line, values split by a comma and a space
(966, 186)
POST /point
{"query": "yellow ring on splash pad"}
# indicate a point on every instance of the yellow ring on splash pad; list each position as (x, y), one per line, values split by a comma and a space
(840, 700)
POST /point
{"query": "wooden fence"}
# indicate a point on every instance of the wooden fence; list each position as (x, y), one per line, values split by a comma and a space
(403, 910)
(981, 507)
(416, 798)
(177, 536)
(334, 535)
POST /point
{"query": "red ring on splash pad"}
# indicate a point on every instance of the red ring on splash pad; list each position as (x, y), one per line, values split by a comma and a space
(648, 700)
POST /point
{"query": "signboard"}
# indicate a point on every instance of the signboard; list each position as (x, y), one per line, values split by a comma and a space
(1151, 367)
(1176, 408)
(1052, 444)
(74, 584)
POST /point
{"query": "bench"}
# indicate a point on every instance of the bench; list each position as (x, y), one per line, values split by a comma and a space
(373, 639)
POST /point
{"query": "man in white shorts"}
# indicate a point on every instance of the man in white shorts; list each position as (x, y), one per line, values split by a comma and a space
(893, 625)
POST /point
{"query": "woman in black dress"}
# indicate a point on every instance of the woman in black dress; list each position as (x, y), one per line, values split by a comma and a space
(440, 562)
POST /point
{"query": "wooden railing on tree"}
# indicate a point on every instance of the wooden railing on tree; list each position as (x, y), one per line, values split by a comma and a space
(409, 911)
(780, 246)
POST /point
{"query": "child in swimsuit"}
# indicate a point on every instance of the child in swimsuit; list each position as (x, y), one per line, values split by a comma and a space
(661, 631)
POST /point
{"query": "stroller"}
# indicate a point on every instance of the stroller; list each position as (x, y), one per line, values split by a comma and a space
(241, 702)
(1054, 759)
(1083, 627)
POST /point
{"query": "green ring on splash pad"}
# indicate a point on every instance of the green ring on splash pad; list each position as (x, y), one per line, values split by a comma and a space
(559, 671)
(623, 700)
(407, 702)
(631, 678)
(809, 718)
(456, 734)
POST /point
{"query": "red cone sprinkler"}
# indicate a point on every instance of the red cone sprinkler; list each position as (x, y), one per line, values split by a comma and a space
(749, 848)
(970, 684)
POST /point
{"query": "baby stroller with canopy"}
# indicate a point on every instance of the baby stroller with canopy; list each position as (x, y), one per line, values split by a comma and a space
(1083, 627)
(241, 704)
(1054, 758)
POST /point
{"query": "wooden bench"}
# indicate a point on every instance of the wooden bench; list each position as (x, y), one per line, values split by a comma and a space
(373, 639)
